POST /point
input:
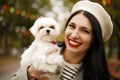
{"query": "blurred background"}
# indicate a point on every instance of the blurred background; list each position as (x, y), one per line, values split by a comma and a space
(17, 16)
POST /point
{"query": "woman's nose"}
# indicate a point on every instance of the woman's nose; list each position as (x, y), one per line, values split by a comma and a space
(75, 34)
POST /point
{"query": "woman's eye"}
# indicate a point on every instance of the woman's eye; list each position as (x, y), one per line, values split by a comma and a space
(71, 26)
(87, 31)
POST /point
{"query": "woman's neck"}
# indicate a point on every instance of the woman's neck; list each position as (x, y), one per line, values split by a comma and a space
(73, 58)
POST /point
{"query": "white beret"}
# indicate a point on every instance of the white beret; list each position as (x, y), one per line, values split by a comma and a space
(100, 13)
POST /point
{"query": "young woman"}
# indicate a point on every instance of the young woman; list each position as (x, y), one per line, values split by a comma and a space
(86, 30)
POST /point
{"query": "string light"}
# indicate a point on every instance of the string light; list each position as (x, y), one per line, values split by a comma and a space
(12, 10)
(18, 12)
(23, 13)
(5, 7)
(106, 2)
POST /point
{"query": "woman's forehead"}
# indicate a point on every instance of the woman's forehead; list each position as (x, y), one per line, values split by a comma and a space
(81, 20)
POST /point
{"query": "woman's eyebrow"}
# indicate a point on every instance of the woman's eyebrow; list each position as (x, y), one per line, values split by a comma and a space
(72, 23)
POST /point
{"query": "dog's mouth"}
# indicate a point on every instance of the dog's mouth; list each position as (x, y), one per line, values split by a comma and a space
(48, 34)
(47, 37)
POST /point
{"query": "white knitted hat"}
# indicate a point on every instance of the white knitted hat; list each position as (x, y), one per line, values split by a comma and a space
(99, 12)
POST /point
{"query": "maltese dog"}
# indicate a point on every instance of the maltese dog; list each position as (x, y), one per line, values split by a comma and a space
(44, 54)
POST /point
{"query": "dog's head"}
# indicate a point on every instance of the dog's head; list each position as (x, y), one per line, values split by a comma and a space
(46, 29)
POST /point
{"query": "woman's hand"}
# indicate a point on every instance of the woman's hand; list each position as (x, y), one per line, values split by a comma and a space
(35, 75)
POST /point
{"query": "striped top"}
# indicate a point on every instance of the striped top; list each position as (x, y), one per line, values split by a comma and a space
(69, 71)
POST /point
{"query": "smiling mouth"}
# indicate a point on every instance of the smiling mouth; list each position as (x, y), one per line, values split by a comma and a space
(74, 43)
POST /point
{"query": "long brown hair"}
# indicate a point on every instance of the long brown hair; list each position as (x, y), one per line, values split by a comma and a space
(94, 64)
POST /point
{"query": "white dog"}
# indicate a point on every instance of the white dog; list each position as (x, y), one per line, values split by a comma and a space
(43, 53)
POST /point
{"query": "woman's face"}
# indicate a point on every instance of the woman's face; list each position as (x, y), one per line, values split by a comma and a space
(78, 34)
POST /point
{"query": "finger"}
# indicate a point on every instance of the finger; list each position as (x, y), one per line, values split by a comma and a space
(43, 78)
(34, 71)
(34, 77)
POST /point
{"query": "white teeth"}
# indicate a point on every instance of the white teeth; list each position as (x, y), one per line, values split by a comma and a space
(74, 43)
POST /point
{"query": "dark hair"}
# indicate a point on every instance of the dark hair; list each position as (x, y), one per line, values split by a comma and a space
(94, 64)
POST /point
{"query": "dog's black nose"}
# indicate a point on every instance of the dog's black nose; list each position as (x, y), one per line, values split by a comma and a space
(48, 31)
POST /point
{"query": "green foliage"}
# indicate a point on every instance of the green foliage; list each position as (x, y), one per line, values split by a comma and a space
(10, 19)
(69, 3)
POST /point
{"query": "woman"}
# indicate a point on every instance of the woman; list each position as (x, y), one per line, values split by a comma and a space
(86, 29)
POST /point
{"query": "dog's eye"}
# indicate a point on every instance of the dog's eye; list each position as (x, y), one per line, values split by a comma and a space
(52, 27)
(40, 28)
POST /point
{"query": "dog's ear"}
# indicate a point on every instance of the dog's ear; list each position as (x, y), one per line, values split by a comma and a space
(34, 28)
(33, 31)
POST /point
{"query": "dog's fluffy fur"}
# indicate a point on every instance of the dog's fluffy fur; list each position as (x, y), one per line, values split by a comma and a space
(43, 53)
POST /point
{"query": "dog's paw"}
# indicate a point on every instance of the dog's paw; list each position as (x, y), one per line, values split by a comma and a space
(54, 59)
(38, 61)
(47, 68)
(52, 68)
(50, 60)
(52, 51)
